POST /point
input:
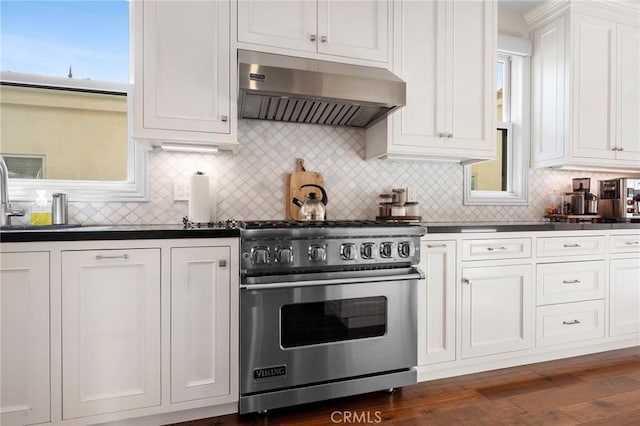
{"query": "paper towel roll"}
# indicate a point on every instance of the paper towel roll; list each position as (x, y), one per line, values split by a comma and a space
(199, 198)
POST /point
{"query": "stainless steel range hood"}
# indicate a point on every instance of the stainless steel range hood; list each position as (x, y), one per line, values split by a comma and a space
(285, 88)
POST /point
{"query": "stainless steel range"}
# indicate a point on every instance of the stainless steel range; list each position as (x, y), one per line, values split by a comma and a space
(327, 309)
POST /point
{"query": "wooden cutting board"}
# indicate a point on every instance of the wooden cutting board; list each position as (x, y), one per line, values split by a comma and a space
(293, 182)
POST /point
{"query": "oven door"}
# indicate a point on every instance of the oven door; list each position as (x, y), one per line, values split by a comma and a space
(295, 333)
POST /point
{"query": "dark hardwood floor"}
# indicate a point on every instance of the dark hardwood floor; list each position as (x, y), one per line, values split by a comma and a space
(599, 389)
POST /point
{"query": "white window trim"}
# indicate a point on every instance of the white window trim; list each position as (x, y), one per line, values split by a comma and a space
(134, 188)
(519, 51)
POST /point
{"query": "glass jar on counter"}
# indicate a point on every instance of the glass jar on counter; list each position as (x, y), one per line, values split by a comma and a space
(411, 208)
(398, 210)
(385, 205)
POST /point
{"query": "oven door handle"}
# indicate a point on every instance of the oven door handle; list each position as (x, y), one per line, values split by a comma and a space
(418, 275)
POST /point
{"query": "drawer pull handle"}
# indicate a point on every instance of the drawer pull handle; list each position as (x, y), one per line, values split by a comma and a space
(466, 281)
(122, 256)
(570, 281)
(436, 245)
(572, 245)
(571, 322)
(496, 248)
(633, 243)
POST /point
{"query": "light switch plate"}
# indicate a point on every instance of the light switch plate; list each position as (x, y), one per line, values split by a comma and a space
(180, 191)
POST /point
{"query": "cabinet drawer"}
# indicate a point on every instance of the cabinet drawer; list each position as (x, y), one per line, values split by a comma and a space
(505, 248)
(570, 246)
(569, 322)
(624, 243)
(570, 282)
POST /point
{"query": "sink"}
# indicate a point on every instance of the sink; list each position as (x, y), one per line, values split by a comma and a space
(18, 227)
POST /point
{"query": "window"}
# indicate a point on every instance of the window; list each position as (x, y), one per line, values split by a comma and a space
(64, 93)
(504, 180)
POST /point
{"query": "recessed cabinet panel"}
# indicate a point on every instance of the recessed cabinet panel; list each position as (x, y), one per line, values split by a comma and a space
(436, 303)
(110, 330)
(594, 88)
(569, 322)
(497, 310)
(24, 338)
(503, 248)
(628, 130)
(570, 282)
(570, 246)
(353, 29)
(624, 295)
(200, 303)
(548, 131)
(472, 75)
(288, 24)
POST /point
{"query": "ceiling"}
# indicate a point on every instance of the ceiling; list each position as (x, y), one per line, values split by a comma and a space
(518, 6)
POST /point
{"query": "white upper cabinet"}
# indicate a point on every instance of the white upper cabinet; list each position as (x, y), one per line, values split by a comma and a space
(185, 72)
(342, 29)
(446, 53)
(586, 86)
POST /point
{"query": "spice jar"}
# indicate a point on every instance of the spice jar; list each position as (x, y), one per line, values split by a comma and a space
(398, 210)
(411, 208)
(385, 204)
(399, 196)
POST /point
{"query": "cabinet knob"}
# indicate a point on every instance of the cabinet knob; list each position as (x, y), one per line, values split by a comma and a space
(620, 149)
(222, 263)
(224, 118)
(312, 37)
(466, 281)
(323, 39)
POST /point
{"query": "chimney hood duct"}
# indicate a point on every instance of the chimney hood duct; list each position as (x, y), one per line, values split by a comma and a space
(299, 90)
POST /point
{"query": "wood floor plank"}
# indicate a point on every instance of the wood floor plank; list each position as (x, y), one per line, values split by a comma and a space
(603, 408)
(599, 389)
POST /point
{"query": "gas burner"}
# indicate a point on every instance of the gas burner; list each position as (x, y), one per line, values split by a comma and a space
(284, 224)
(227, 224)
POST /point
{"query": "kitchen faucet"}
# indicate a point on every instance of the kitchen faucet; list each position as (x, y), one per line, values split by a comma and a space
(5, 206)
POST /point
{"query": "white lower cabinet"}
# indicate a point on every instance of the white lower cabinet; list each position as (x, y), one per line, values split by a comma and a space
(200, 313)
(569, 322)
(24, 338)
(624, 296)
(497, 309)
(437, 301)
(110, 331)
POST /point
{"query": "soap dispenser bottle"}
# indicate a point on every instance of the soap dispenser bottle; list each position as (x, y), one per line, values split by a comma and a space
(41, 210)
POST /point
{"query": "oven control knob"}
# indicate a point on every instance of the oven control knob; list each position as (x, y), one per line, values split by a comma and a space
(368, 250)
(260, 255)
(317, 253)
(284, 255)
(630, 202)
(630, 210)
(348, 251)
(386, 250)
(406, 249)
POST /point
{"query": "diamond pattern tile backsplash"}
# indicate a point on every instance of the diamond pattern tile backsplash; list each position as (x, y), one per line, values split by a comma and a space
(250, 184)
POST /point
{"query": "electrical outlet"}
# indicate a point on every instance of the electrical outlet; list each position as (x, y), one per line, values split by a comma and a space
(180, 191)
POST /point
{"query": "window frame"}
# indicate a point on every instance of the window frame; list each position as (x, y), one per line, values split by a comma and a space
(135, 188)
(517, 112)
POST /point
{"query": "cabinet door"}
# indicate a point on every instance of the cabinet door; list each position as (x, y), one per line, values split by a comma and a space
(185, 68)
(628, 111)
(24, 342)
(200, 323)
(469, 103)
(549, 107)
(419, 46)
(497, 310)
(624, 294)
(286, 24)
(110, 331)
(355, 29)
(436, 303)
(594, 46)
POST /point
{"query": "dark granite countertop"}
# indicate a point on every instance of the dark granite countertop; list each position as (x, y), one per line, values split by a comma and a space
(110, 232)
(467, 227)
